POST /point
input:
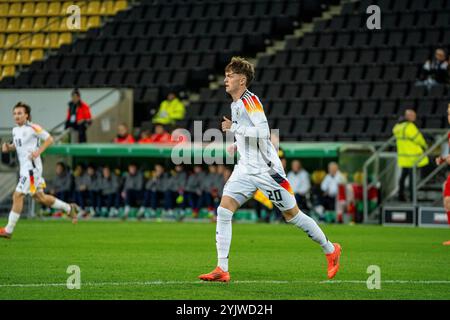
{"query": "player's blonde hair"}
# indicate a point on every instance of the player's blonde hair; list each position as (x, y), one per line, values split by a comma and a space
(241, 66)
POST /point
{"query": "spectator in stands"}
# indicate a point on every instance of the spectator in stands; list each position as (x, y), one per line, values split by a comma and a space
(110, 191)
(81, 186)
(435, 71)
(145, 137)
(94, 189)
(221, 172)
(300, 183)
(123, 136)
(329, 186)
(78, 117)
(62, 183)
(157, 187)
(177, 185)
(410, 147)
(160, 135)
(132, 189)
(194, 190)
(170, 110)
(179, 135)
(211, 185)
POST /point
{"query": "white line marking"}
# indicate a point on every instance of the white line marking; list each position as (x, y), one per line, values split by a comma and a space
(164, 283)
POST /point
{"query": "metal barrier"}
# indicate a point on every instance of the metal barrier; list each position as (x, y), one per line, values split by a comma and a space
(381, 170)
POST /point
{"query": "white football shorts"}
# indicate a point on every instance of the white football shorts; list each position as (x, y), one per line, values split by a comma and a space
(30, 184)
(241, 187)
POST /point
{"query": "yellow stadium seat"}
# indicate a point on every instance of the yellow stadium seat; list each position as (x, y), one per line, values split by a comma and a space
(120, 5)
(2, 40)
(13, 25)
(24, 40)
(107, 8)
(3, 24)
(52, 24)
(9, 57)
(93, 8)
(4, 8)
(54, 9)
(83, 6)
(37, 41)
(8, 71)
(63, 25)
(39, 24)
(41, 9)
(15, 9)
(27, 25)
(51, 40)
(36, 54)
(65, 38)
(28, 9)
(11, 40)
(23, 56)
(93, 22)
(64, 7)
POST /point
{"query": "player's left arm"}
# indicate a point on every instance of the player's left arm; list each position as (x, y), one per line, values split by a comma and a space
(43, 135)
(255, 111)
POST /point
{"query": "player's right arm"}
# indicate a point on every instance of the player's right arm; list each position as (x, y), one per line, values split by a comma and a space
(8, 147)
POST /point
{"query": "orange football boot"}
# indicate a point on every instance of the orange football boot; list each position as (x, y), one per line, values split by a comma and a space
(4, 234)
(216, 275)
(333, 260)
(446, 243)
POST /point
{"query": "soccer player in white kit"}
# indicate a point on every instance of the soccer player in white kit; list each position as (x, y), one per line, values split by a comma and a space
(27, 138)
(259, 167)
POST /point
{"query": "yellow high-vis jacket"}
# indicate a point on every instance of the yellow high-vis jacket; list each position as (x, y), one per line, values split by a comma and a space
(410, 145)
(169, 112)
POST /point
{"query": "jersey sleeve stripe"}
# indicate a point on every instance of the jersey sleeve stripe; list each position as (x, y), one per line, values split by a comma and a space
(37, 128)
(257, 103)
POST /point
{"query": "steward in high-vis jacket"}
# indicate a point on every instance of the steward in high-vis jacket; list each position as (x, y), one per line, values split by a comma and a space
(411, 145)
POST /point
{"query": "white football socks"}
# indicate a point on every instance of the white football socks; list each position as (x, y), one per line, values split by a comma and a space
(61, 205)
(223, 236)
(12, 220)
(313, 231)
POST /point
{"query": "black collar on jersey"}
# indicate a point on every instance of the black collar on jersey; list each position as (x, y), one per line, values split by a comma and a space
(243, 94)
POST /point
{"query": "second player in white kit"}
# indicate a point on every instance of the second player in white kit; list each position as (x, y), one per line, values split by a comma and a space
(259, 167)
(27, 138)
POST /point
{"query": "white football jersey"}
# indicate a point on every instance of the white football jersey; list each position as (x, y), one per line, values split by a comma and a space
(26, 139)
(251, 130)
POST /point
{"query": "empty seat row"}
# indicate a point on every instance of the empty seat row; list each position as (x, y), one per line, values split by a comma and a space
(224, 9)
(159, 45)
(118, 79)
(60, 8)
(44, 24)
(20, 57)
(129, 62)
(397, 5)
(391, 38)
(35, 40)
(350, 56)
(201, 27)
(437, 18)
(343, 90)
(338, 73)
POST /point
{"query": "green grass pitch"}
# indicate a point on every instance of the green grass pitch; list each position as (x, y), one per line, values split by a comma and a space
(150, 260)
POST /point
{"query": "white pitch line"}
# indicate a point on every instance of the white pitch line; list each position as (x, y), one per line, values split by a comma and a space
(163, 283)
